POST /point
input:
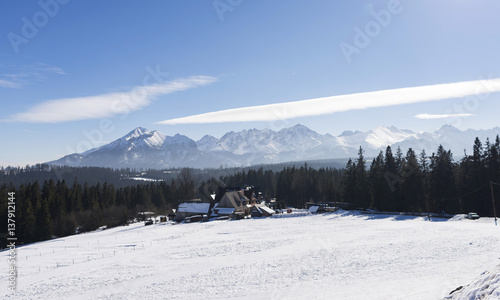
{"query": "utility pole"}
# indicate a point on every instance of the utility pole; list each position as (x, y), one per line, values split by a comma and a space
(493, 201)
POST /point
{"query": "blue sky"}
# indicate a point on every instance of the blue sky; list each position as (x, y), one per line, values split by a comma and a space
(77, 74)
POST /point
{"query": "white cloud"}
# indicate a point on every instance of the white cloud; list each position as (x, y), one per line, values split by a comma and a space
(106, 105)
(9, 84)
(30, 131)
(19, 76)
(428, 116)
(328, 105)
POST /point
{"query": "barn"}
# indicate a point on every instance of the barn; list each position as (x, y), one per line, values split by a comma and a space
(189, 209)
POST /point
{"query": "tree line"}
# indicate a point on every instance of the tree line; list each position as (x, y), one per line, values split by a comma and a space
(91, 175)
(402, 182)
(56, 209)
(293, 186)
(420, 183)
(407, 182)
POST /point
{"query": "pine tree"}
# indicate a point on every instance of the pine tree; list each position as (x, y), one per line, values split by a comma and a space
(412, 186)
(43, 223)
(442, 183)
(393, 179)
(77, 197)
(27, 223)
(377, 182)
(362, 194)
(350, 182)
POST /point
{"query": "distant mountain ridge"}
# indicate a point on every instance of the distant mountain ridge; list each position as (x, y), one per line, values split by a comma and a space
(142, 148)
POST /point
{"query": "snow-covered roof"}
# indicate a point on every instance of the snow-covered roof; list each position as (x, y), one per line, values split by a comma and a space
(257, 208)
(313, 209)
(187, 207)
(233, 199)
(267, 210)
(225, 211)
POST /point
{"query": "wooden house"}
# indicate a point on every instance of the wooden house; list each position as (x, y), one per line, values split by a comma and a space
(191, 208)
(233, 204)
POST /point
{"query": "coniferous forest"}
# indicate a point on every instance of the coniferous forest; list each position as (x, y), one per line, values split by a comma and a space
(393, 181)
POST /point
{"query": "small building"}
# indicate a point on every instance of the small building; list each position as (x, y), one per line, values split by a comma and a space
(313, 209)
(330, 205)
(233, 204)
(189, 209)
(145, 215)
(261, 210)
(273, 204)
(322, 207)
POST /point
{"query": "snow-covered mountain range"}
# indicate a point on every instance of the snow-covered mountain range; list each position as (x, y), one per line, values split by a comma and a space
(142, 148)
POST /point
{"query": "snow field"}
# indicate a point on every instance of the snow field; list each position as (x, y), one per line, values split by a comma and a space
(332, 256)
(487, 286)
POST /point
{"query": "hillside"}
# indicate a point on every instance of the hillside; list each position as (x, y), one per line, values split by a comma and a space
(333, 256)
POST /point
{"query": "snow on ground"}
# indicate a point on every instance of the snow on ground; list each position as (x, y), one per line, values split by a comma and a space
(487, 286)
(331, 256)
(144, 179)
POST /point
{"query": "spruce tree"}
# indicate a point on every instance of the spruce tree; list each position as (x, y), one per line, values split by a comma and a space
(362, 194)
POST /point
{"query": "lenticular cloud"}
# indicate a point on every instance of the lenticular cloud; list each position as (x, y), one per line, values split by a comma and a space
(105, 105)
(429, 116)
(334, 104)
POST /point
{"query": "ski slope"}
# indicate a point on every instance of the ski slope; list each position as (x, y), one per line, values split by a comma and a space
(343, 255)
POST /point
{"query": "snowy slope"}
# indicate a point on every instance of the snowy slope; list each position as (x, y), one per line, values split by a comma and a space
(332, 256)
(486, 286)
(378, 138)
(141, 148)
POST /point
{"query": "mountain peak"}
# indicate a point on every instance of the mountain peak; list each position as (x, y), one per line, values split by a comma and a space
(448, 128)
(180, 139)
(297, 128)
(349, 133)
(143, 148)
(301, 127)
(137, 132)
(140, 130)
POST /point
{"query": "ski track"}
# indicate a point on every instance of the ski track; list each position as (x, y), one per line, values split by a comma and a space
(336, 256)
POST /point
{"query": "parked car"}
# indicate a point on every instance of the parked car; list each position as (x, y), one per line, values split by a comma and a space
(472, 216)
(149, 222)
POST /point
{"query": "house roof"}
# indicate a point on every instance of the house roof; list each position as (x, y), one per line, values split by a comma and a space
(225, 211)
(262, 207)
(255, 207)
(187, 207)
(313, 209)
(267, 209)
(232, 199)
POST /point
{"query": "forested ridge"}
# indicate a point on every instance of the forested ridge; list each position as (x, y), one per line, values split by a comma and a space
(392, 181)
